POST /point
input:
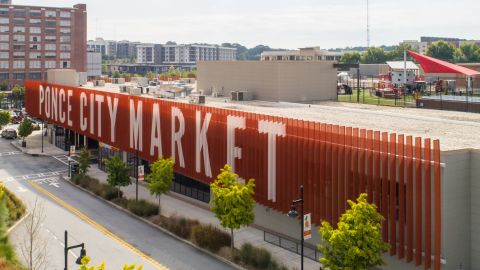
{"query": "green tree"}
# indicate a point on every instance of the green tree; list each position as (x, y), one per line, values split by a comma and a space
(86, 261)
(467, 53)
(5, 118)
(357, 243)
(18, 94)
(160, 178)
(397, 53)
(117, 173)
(233, 200)
(441, 50)
(351, 58)
(84, 160)
(150, 75)
(6, 250)
(374, 55)
(116, 74)
(25, 129)
(3, 86)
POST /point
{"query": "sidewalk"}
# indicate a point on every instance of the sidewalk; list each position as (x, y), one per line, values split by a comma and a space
(176, 205)
(34, 146)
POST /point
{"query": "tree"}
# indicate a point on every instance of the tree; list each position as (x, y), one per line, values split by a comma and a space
(25, 129)
(18, 94)
(33, 245)
(233, 201)
(357, 243)
(374, 55)
(116, 74)
(160, 178)
(86, 261)
(117, 173)
(467, 53)
(397, 53)
(150, 75)
(4, 118)
(351, 58)
(84, 160)
(441, 50)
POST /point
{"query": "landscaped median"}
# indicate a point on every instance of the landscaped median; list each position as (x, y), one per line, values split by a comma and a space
(206, 237)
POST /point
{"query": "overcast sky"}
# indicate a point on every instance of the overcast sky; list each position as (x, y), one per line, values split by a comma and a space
(277, 23)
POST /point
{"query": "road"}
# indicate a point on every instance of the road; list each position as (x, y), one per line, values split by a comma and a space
(109, 234)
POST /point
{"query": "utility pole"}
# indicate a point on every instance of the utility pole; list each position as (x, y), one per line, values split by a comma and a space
(368, 24)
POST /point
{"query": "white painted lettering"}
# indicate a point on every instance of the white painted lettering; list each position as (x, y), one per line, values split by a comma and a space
(61, 100)
(91, 116)
(54, 103)
(47, 101)
(202, 143)
(99, 99)
(41, 99)
(234, 152)
(83, 103)
(156, 135)
(69, 108)
(112, 109)
(177, 135)
(136, 126)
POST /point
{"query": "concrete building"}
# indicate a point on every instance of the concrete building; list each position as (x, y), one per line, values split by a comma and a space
(34, 39)
(270, 80)
(127, 49)
(192, 53)
(145, 54)
(105, 47)
(419, 46)
(302, 54)
(94, 64)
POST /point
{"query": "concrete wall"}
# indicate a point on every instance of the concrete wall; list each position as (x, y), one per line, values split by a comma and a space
(475, 208)
(270, 81)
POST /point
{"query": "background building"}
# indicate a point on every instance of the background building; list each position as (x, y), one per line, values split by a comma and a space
(269, 81)
(419, 46)
(303, 54)
(94, 64)
(127, 49)
(34, 39)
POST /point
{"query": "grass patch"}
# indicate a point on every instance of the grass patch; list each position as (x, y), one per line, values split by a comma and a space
(210, 237)
(365, 97)
(180, 226)
(142, 208)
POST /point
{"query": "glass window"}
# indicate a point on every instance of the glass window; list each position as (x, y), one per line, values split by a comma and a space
(35, 21)
(65, 64)
(3, 11)
(65, 56)
(50, 13)
(50, 55)
(4, 29)
(65, 39)
(19, 38)
(19, 21)
(51, 31)
(4, 21)
(18, 64)
(35, 64)
(35, 55)
(51, 38)
(35, 30)
(19, 13)
(35, 13)
(65, 14)
(50, 64)
(50, 47)
(65, 30)
(4, 55)
(49, 23)
(4, 76)
(65, 23)
(35, 47)
(4, 38)
(19, 29)
(4, 46)
(19, 47)
(4, 64)
(35, 76)
(65, 47)
(19, 76)
(35, 38)
(19, 55)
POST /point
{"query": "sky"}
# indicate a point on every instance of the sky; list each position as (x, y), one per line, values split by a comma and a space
(286, 24)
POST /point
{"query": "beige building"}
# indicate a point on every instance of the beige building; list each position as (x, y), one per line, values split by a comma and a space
(302, 54)
(270, 81)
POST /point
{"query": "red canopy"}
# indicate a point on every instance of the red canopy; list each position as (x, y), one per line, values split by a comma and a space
(433, 65)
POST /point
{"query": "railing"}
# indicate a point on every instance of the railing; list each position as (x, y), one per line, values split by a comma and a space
(291, 245)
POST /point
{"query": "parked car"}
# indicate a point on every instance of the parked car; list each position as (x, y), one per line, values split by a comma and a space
(9, 133)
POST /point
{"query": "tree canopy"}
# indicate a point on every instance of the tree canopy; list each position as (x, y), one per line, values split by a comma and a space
(160, 178)
(441, 50)
(84, 160)
(4, 118)
(25, 129)
(233, 200)
(467, 53)
(118, 173)
(356, 244)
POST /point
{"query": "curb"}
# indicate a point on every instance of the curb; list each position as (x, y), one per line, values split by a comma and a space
(155, 226)
(17, 223)
(25, 151)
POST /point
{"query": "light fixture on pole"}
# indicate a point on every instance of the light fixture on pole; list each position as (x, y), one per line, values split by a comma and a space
(293, 213)
(83, 251)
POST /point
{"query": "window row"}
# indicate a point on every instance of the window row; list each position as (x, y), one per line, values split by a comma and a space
(5, 55)
(35, 47)
(21, 76)
(34, 30)
(35, 64)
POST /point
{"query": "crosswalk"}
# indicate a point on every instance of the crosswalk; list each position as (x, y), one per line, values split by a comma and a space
(35, 176)
(64, 159)
(11, 153)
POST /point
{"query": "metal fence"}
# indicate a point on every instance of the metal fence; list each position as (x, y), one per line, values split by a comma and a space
(291, 245)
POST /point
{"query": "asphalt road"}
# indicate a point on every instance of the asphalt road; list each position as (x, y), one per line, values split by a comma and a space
(109, 234)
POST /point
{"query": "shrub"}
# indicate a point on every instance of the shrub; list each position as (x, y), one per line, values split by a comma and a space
(180, 226)
(123, 202)
(142, 208)
(210, 237)
(100, 189)
(16, 209)
(258, 257)
(109, 193)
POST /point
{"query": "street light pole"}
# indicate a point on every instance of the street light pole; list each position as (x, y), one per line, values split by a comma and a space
(136, 176)
(66, 248)
(43, 124)
(293, 213)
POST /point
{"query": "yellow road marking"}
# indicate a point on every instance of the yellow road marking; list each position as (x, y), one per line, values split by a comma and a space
(72, 209)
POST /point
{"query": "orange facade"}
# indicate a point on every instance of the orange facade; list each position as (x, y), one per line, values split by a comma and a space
(401, 174)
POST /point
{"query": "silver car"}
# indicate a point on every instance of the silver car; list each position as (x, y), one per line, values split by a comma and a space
(9, 133)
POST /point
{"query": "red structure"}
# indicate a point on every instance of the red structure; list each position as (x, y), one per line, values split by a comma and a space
(334, 163)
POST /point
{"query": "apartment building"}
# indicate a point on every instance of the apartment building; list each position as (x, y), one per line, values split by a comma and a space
(302, 54)
(192, 53)
(105, 47)
(127, 49)
(34, 39)
(419, 46)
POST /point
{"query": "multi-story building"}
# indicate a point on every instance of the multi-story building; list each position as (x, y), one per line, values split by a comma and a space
(105, 47)
(94, 64)
(419, 46)
(127, 49)
(34, 39)
(303, 54)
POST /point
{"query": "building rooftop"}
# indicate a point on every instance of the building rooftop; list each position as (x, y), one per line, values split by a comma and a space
(396, 65)
(455, 130)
